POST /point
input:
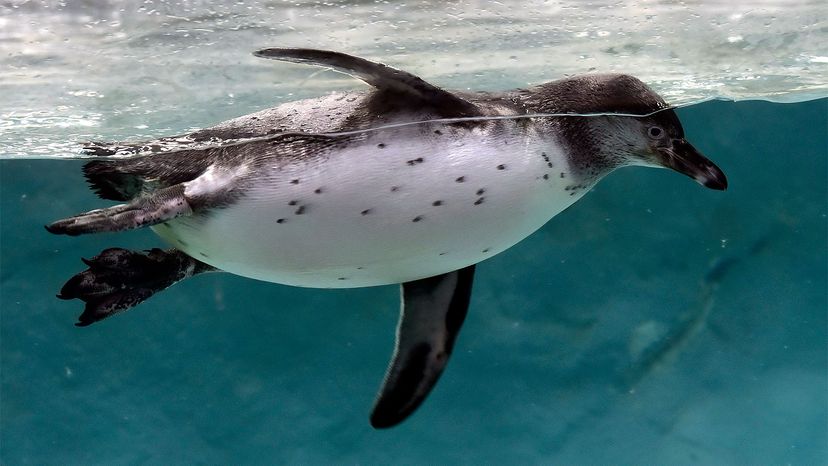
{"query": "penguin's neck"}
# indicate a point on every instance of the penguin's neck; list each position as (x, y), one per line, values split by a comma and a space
(591, 146)
(593, 143)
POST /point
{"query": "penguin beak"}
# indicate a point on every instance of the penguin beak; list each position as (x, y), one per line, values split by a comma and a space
(684, 158)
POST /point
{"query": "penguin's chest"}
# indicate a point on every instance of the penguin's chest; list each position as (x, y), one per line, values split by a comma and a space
(389, 209)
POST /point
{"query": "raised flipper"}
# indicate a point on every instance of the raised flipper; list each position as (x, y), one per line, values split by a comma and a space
(150, 209)
(433, 310)
(118, 279)
(382, 77)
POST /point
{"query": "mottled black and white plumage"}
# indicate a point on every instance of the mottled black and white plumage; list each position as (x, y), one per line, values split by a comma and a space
(341, 191)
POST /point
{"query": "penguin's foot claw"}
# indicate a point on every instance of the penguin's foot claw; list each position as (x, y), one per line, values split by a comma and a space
(118, 279)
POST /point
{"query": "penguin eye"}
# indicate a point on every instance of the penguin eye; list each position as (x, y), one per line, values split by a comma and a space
(655, 132)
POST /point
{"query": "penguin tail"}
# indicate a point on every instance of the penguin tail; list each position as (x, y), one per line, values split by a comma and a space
(123, 179)
(113, 179)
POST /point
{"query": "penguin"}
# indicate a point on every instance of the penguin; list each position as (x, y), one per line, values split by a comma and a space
(403, 183)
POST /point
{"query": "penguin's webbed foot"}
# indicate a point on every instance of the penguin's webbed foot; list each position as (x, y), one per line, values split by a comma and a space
(152, 209)
(118, 279)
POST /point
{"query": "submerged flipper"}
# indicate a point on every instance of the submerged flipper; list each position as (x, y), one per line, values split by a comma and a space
(150, 209)
(433, 310)
(382, 77)
(118, 279)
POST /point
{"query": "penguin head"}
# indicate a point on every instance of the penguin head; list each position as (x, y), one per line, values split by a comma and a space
(658, 140)
(613, 120)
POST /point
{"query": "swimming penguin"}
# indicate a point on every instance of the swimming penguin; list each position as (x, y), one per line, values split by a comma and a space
(403, 183)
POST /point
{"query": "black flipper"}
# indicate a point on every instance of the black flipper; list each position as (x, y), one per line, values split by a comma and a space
(382, 77)
(151, 209)
(118, 279)
(433, 310)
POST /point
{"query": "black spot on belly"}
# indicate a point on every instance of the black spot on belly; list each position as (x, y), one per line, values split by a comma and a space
(487, 250)
(550, 165)
(480, 191)
(366, 212)
(501, 167)
(415, 161)
(294, 181)
(460, 179)
(417, 218)
(300, 210)
(381, 145)
(342, 278)
(546, 176)
(395, 189)
(360, 268)
(437, 203)
(479, 201)
(318, 190)
(438, 132)
(203, 255)
(293, 202)
(563, 175)
(442, 254)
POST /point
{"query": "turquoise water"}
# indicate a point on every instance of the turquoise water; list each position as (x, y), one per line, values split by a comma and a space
(654, 322)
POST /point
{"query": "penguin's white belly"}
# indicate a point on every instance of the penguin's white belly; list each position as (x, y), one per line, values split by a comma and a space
(386, 210)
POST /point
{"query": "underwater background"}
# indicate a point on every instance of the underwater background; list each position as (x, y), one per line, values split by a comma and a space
(653, 322)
